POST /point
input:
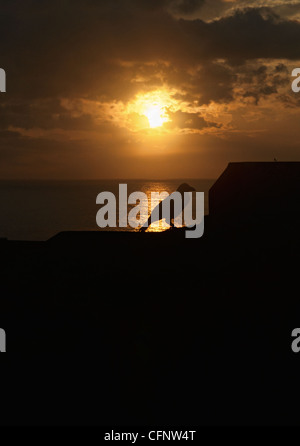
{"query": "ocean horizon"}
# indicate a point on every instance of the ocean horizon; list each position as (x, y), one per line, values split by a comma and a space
(39, 209)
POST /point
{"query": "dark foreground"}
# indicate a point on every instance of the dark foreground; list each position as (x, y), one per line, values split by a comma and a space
(130, 328)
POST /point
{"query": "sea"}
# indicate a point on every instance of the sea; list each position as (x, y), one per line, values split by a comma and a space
(38, 210)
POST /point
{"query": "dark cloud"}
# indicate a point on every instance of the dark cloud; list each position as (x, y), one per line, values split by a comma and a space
(287, 10)
(281, 68)
(260, 81)
(185, 120)
(185, 6)
(75, 48)
(46, 114)
(110, 50)
(4, 134)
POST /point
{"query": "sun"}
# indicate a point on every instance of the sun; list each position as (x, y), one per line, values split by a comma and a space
(150, 110)
(156, 115)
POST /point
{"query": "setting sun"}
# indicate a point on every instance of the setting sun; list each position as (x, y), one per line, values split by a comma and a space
(151, 109)
(155, 114)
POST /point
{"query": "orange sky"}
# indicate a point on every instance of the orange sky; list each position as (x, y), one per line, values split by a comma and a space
(129, 89)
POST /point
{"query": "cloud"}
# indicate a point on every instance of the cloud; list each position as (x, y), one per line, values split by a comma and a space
(185, 6)
(106, 52)
(185, 120)
(77, 49)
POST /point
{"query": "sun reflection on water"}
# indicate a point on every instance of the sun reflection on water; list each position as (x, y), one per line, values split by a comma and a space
(158, 187)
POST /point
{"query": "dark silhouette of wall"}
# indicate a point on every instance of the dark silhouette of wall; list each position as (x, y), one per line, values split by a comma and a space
(252, 191)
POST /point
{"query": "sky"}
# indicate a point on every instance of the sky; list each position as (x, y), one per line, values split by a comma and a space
(144, 89)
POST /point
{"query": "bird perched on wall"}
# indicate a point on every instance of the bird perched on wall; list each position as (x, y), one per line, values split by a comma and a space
(157, 212)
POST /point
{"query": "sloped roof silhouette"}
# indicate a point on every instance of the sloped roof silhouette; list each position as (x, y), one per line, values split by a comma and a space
(256, 188)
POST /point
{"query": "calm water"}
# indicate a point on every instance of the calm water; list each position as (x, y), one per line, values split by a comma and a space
(37, 210)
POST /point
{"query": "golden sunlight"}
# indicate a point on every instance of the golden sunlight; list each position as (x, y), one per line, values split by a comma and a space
(150, 110)
(156, 115)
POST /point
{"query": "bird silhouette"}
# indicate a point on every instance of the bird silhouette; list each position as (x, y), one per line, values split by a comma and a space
(156, 214)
